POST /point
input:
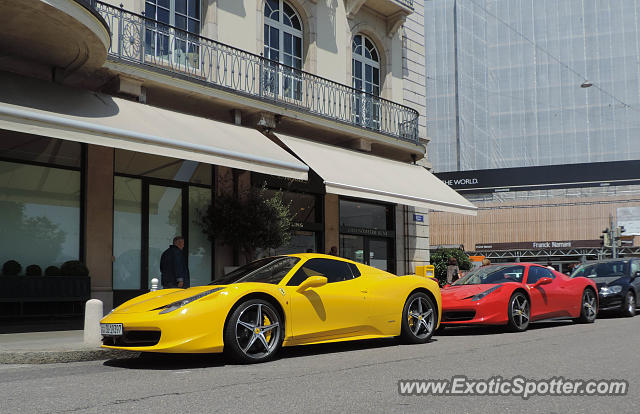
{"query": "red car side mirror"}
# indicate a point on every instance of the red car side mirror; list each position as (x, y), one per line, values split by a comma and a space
(543, 281)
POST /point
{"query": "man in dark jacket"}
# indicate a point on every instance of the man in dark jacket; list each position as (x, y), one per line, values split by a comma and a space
(173, 266)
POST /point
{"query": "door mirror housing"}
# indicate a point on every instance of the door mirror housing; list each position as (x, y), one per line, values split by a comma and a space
(312, 282)
(543, 281)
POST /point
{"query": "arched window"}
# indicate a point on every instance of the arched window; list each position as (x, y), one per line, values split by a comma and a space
(366, 78)
(283, 44)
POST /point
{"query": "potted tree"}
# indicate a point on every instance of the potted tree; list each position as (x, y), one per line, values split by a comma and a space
(250, 223)
(440, 258)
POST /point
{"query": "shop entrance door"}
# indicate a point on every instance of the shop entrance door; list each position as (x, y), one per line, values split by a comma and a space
(372, 251)
(166, 206)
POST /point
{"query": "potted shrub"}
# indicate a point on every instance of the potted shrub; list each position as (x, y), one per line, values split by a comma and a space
(69, 285)
(11, 268)
(74, 268)
(33, 270)
(52, 271)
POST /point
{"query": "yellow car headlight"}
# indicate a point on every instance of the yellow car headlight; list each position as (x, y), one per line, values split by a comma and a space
(178, 304)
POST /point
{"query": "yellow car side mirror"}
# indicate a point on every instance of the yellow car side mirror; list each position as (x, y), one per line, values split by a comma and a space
(312, 282)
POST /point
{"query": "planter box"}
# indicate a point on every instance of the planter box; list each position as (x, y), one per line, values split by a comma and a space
(43, 295)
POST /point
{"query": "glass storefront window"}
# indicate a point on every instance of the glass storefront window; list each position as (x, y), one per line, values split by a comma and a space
(301, 242)
(365, 215)
(127, 227)
(379, 254)
(39, 214)
(302, 205)
(165, 222)
(352, 247)
(199, 244)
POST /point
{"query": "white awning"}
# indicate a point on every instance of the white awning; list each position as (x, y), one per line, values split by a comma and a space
(356, 174)
(43, 108)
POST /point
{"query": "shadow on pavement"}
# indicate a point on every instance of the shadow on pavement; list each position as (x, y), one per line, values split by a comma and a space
(159, 361)
(611, 314)
(497, 330)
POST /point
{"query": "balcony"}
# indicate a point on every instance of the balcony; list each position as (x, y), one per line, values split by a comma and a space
(69, 35)
(144, 43)
(386, 8)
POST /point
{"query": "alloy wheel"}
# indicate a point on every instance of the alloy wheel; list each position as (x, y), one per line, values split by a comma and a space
(257, 330)
(589, 305)
(520, 312)
(420, 317)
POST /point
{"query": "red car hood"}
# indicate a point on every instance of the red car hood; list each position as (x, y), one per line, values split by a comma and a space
(463, 291)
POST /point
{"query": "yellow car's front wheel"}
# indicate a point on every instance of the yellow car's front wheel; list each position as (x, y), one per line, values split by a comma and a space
(254, 332)
(418, 319)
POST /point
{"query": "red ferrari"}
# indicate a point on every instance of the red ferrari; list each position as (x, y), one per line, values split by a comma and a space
(516, 294)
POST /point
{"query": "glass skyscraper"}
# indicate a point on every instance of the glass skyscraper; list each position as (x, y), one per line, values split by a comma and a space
(504, 82)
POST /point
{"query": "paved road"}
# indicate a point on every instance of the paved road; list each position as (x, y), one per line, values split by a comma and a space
(349, 377)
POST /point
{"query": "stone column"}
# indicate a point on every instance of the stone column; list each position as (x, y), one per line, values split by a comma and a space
(98, 224)
(331, 222)
(412, 238)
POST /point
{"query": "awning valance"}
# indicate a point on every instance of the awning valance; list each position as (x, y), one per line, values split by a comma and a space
(357, 174)
(43, 108)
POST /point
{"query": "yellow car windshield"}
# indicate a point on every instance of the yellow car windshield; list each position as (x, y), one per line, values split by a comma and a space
(267, 270)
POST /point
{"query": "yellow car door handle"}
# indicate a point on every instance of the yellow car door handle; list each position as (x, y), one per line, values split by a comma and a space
(364, 291)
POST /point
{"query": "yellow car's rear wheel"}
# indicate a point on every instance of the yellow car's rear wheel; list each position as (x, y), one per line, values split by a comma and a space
(254, 332)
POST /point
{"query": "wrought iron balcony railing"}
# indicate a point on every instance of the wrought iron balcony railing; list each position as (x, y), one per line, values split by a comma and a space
(140, 40)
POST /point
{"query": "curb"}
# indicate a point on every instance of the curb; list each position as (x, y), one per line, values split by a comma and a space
(52, 357)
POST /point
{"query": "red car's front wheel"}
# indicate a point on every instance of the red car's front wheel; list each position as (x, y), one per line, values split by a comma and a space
(519, 312)
(418, 319)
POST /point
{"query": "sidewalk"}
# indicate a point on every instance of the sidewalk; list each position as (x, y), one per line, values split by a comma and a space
(52, 347)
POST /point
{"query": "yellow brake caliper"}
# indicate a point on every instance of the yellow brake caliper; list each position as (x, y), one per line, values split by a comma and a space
(267, 322)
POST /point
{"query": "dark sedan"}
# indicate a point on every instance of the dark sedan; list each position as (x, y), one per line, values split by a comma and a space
(618, 282)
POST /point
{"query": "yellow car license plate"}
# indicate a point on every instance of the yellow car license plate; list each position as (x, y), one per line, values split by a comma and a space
(111, 329)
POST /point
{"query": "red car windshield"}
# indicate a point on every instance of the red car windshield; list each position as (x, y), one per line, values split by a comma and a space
(492, 275)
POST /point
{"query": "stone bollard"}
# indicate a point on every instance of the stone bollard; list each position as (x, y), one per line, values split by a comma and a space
(92, 316)
(154, 284)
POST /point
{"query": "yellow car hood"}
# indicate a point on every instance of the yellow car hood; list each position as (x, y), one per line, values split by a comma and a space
(153, 300)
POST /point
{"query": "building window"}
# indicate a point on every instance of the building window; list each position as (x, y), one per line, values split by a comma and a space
(40, 200)
(282, 44)
(307, 211)
(366, 79)
(155, 199)
(162, 41)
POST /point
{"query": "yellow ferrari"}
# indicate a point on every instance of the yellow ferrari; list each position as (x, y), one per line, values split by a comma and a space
(278, 301)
